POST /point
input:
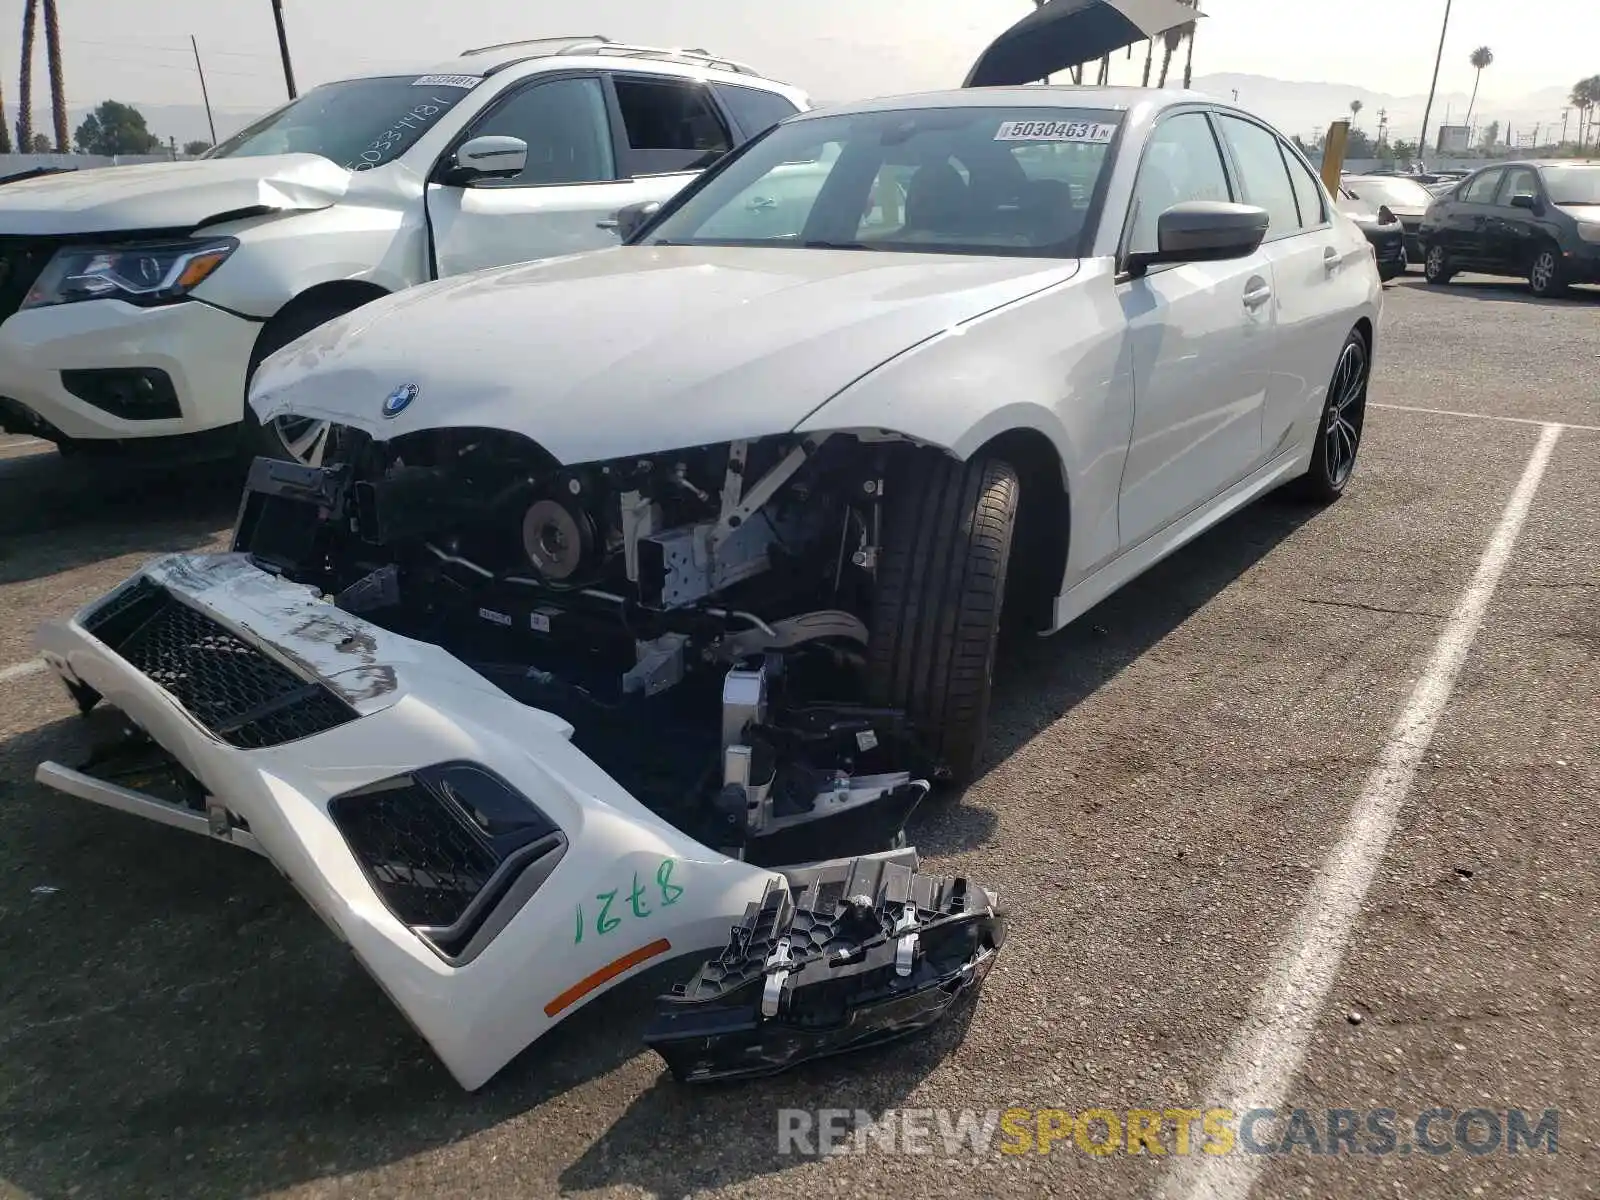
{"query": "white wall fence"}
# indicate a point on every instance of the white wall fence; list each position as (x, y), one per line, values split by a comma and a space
(12, 164)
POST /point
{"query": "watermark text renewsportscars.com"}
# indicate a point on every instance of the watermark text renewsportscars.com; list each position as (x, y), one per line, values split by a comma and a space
(1159, 1132)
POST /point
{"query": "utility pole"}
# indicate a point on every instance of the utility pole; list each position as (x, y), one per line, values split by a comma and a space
(283, 47)
(1422, 142)
(204, 95)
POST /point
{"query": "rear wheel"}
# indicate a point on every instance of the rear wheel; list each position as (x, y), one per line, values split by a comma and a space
(1436, 266)
(940, 588)
(1546, 276)
(1338, 437)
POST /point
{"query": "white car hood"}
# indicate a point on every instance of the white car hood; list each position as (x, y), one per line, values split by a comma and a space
(637, 349)
(170, 195)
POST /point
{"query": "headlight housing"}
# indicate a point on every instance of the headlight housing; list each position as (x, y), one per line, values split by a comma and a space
(1589, 231)
(138, 273)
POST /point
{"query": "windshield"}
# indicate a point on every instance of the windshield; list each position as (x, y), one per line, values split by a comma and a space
(1011, 181)
(359, 123)
(1396, 193)
(1573, 185)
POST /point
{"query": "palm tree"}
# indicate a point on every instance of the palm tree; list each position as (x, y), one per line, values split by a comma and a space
(58, 90)
(30, 13)
(1188, 62)
(1480, 58)
(1585, 97)
(1355, 111)
(1149, 59)
(1170, 41)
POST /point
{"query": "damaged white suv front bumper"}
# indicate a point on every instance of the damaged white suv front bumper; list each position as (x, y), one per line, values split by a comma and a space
(489, 875)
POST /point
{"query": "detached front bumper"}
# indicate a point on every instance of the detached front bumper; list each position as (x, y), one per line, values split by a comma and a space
(490, 876)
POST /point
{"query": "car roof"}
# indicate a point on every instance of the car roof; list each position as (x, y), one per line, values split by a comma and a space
(484, 61)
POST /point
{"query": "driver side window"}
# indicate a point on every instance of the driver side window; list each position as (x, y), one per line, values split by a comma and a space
(1182, 162)
(565, 125)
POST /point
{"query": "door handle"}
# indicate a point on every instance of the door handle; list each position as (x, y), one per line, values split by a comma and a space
(1257, 295)
(1330, 259)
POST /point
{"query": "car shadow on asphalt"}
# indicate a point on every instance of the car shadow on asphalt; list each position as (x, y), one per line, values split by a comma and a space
(1514, 291)
(176, 1021)
(1040, 680)
(58, 514)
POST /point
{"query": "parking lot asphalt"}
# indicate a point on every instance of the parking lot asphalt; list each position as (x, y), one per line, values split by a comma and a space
(1167, 780)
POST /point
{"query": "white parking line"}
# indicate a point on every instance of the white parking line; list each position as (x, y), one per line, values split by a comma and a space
(22, 670)
(1266, 1055)
(1448, 412)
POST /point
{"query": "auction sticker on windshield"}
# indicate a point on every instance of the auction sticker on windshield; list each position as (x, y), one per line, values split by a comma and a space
(460, 81)
(1054, 131)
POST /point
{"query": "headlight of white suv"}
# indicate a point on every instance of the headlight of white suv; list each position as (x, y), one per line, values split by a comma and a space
(150, 273)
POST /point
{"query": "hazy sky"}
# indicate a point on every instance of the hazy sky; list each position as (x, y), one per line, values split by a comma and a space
(837, 49)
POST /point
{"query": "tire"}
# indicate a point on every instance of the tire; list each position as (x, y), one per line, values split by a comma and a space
(1338, 436)
(940, 589)
(1547, 278)
(297, 441)
(1436, 268)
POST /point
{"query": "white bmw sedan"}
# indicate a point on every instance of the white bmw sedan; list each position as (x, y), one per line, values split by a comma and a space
(1085, 324)
(630, 575)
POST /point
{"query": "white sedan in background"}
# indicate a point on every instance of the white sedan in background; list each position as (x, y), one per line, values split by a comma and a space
(657, 569)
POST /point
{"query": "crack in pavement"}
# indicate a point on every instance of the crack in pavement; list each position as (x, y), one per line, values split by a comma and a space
(1377, 608)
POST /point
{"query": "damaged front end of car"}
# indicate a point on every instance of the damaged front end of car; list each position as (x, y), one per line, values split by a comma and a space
(518, 729)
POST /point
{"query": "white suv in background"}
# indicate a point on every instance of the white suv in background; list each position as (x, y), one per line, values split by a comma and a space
(138, 301)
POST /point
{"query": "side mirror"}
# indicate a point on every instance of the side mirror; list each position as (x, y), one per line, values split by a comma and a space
(1523, 200)
(1203, 231)
(493, 156)
(631, 218)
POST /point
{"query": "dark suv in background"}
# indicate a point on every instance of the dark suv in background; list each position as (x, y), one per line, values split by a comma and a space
(1539, 220)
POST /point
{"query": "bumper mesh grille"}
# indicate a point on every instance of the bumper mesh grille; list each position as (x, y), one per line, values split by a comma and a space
(424, 860)
(236, 691)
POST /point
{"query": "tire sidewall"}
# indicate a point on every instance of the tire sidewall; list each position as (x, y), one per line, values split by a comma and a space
(1318, 483)
(1553, 285)
(1436, 265)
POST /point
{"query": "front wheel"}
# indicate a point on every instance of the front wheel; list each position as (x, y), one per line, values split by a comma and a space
(1338, 436)
(1546, 279)
(1436, 266)
(936, 611)
(302, 440)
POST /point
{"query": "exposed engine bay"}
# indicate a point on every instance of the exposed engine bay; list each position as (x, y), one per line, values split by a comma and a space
(698, 616)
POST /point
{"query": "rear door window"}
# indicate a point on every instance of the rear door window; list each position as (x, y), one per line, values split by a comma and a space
(1263, 174)
(669, 125)
(1481, 188)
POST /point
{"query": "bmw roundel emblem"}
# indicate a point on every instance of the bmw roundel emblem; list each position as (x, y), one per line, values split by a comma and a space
(397, 401)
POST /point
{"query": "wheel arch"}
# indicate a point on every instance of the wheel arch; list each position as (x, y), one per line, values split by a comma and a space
(340, 294)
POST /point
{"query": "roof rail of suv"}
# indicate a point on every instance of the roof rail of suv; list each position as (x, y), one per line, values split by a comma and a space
(577, 39)
(600, 45)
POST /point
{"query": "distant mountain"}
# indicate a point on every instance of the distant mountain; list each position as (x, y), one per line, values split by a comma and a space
(1307, 108)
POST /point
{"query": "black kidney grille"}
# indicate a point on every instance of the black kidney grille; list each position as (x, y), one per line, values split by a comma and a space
(424, 857)
(235, 690)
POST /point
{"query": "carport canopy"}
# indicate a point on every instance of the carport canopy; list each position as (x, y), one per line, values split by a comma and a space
(1061, 34)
